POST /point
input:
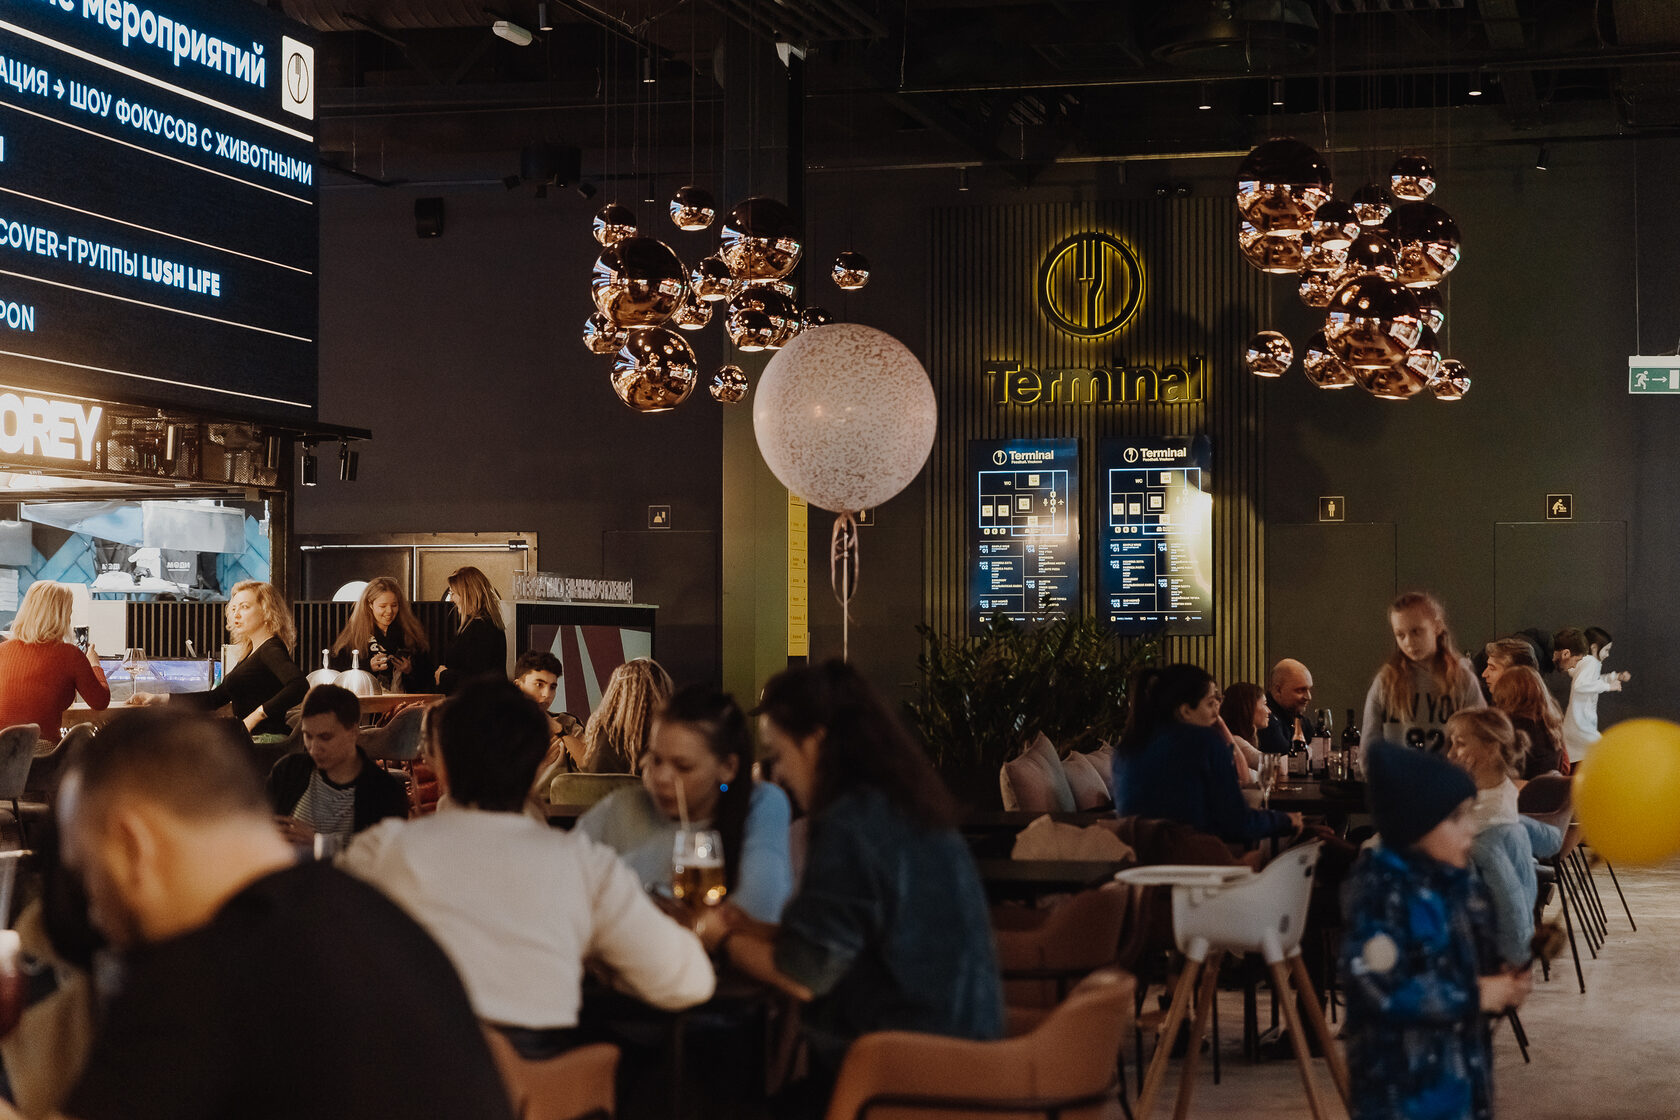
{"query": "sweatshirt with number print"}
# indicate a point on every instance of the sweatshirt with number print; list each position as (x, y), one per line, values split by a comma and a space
(1425, 725)
(1419, 935)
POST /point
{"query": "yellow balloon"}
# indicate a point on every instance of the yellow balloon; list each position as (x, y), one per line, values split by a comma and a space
(1627, 793)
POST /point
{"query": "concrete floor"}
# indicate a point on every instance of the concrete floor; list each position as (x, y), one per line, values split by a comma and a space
(1612, 1054)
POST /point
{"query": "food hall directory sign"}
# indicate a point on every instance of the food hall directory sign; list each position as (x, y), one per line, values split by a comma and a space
(1156, 550)
(1024, 529)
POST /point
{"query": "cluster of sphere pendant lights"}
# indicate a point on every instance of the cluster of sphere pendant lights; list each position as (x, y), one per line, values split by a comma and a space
(1373, 263)
(641, 290)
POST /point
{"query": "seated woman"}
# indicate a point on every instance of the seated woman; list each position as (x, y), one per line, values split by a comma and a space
(1243, 712)
(700, 747)
(1172, 764)
(479, 644)
(390, 640)
(40, 671)
(1521, 694)
(617, 731)
(266, 683)
(889, 928)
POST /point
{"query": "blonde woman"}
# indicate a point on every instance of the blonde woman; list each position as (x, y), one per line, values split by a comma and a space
(266, 683)
(391, 641)
(479, 645)
(617, 733)
(41, 672)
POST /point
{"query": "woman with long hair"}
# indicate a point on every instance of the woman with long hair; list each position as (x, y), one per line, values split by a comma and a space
(479, 644)
(889, 928)
(1243, 714)
(1173, 764)
(616, 735)
(40, 671)
(390, 640)
(266, 683)
(1423, 682)
(1521, 694)
(699, 762)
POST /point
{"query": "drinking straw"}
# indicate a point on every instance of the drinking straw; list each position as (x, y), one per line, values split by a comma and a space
(682, 807)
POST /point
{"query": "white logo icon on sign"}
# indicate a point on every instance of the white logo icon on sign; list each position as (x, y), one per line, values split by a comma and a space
(1131, 455)
(1000, 457)
(297, 85)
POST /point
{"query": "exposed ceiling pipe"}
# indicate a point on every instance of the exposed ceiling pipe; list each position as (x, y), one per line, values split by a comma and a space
(355, 15)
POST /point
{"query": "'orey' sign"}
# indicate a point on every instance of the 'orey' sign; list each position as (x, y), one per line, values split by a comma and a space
(48, 429)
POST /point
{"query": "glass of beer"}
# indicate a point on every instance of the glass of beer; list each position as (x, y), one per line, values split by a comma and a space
(697, 867)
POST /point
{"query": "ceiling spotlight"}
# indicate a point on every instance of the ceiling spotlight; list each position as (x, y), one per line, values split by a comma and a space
(1277, 93)
(171, 442)
(309, 464)
(1476, 83)
(512, 32)
(962, 178)
(543, 22)
(1540, 160)
(1206, 100)
(348, 461)
(647, 70)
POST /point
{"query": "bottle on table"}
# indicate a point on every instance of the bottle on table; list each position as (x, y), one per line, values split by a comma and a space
(1298, 753)
(1350, 748)
(1318, 751)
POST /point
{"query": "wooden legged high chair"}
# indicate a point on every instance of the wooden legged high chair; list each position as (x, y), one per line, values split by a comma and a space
(1218, 911)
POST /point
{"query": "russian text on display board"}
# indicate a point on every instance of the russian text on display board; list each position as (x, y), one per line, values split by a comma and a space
(158, 205)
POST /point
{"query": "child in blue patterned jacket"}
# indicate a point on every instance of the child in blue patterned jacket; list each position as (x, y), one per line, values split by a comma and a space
(1418, 962)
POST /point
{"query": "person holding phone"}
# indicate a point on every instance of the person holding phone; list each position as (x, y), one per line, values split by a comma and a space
(391, 640)
(40, 671)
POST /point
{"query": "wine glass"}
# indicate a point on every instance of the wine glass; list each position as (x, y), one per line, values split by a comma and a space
(697, 867)
(1268, 777)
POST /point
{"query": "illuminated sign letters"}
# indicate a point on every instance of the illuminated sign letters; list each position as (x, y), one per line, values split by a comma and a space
(1012, 383)
(31, 425)
(1090, 285)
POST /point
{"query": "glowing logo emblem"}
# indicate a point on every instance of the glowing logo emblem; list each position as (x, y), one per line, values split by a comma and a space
(1090, 285)
(1000, 457)
(1131, 455)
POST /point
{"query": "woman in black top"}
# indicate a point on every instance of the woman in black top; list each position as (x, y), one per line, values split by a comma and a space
(267, 683)
(480, 644)
(390, 639)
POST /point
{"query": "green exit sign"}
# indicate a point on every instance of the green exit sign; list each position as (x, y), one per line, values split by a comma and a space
(1659, 374)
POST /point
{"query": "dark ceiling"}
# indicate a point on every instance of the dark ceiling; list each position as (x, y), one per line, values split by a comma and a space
(1017, 85)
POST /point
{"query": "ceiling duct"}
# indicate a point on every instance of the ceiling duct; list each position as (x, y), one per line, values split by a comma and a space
(392, 15)
(1256, 36)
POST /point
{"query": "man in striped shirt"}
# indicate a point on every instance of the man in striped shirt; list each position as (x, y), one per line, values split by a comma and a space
(331, 787)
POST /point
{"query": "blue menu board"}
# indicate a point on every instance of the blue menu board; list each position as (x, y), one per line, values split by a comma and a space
(1156, 555)
(1024, 529)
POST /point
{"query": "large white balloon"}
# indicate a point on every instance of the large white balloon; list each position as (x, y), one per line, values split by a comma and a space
(844, 416)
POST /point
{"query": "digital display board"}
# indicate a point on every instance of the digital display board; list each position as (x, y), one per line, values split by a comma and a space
(1024, 529)
(158, 217)
(1156, 554)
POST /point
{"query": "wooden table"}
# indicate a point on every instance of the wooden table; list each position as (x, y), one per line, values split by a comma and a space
(1027, 879)
(1313, 797)
(371, 705)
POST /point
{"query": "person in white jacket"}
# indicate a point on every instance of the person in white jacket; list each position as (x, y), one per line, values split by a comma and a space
(517, 905)
(1583, 661)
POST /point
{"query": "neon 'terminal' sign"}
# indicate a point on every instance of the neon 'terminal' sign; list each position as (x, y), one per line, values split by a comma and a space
(48, 429)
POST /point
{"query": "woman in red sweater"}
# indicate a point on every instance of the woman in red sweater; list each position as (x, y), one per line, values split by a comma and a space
(40, 672)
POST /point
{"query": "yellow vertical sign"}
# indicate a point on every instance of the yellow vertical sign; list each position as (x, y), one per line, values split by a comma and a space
(799, 569)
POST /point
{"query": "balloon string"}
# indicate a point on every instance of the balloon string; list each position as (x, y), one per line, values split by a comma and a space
(843, 570)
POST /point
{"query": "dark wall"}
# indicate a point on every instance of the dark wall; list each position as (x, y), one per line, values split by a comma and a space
(463, 355)
(1450, 497)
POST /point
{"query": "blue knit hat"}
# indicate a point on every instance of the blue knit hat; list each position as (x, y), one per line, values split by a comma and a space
(1412, 791)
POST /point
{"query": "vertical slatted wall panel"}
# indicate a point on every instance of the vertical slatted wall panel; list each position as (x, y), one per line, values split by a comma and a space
(162, 629)
(1201, 298)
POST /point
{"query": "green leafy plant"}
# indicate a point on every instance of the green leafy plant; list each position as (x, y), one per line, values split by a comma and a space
(982, 696)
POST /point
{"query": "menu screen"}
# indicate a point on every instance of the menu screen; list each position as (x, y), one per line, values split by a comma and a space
(1156, 549)
(1024, 536)
(158, 218)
